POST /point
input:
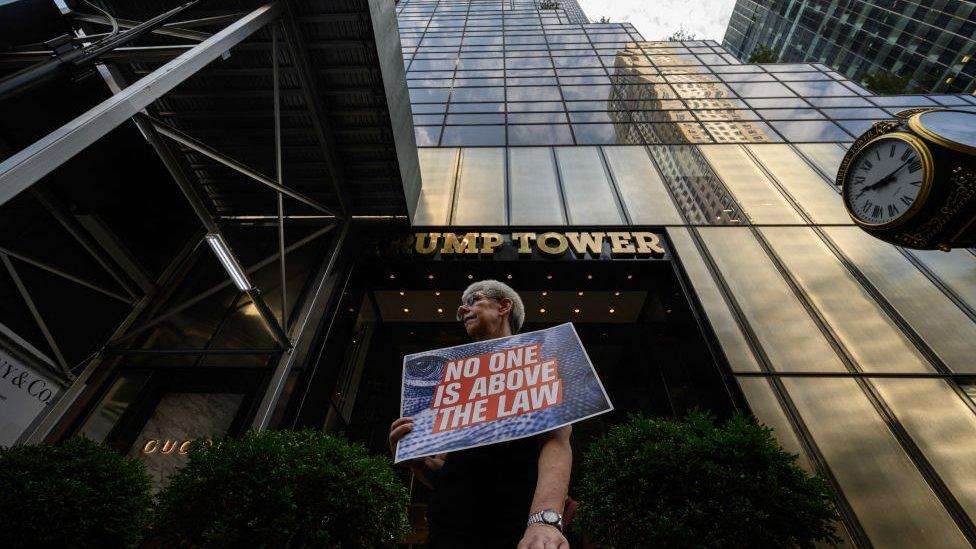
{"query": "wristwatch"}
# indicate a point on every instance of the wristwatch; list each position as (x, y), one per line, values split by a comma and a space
(548, 516)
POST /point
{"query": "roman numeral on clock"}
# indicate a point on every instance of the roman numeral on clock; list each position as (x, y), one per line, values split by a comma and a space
(892, 210)
(876, 212)
(905, 155)
(905, 199)
(915, 166)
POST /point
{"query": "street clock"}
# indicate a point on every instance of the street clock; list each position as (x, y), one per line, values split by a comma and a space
(912, 181)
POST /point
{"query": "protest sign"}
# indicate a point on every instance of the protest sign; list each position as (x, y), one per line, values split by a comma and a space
(502, 389)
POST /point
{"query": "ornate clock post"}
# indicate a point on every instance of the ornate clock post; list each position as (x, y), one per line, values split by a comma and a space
(912, 181)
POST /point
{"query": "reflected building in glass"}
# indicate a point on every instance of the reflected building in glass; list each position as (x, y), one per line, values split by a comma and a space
(858, 354)
(932, 43)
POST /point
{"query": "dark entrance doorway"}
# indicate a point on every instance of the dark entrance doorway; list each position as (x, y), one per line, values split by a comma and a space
(637, 323)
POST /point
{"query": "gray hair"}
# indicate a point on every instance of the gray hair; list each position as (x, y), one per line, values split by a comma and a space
(499, 290)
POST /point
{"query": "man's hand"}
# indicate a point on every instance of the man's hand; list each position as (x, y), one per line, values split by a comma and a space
(543, 536)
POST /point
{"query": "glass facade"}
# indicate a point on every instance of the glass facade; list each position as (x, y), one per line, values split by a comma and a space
(857, 353)
(932, 43)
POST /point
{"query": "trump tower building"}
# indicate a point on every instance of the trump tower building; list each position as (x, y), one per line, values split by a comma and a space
(245, 217)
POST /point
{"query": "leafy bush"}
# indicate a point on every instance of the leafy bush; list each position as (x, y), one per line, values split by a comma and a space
(763, 54)
(76, 494)
(283, 489)
(883, 82)
(690, 483)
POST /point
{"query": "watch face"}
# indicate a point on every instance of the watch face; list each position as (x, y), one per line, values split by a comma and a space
(888, 180)
(550, 516)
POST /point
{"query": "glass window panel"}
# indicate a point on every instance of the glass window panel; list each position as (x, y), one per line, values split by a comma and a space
(514, 73)
(948, 100)
(847, 113)
(855, 127)
(589, 196)
(765, 406)
(825, 156)
(427, 136)
(476, 107)
(429, 95)
(534, 187)
(822, 88)
(432, 64)
(480, 74)
(532, 81)
(481, 188)
(779, 103)
(790, 114)
(642, 190)
(944, 327)
(541, 106)
(811, 130)
(747, 77)
(470, 95)
(800, 76)
(713, 104)
(761, 89)
(428, 119)
(726, 115)
(578, 80)
(534, 93)
(956, 269)
(607, 134)
(437, 188)
(788, 336)
(720, 317)
(494, 118)
(473, 136)
(860, 324)
(702, 90)
(839, 102)
(528, 63)
(598, 116)
(902, 511)
(477, 82)
(807, 187)
(943, 427)
(574, 93)
(537, 118)
(540, 134)
(903, 101)
(759, 198)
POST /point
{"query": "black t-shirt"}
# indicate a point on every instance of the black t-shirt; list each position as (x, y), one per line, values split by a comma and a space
(484, 494)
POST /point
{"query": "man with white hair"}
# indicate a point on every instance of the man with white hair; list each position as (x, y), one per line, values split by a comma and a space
(505, 495)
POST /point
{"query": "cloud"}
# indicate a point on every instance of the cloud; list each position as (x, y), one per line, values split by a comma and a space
(656, 19)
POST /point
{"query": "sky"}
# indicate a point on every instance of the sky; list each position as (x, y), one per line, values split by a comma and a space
(656, 19)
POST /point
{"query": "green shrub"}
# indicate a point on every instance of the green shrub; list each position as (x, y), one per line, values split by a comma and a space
(690, 483)
(763, 54)
(283, 489)
(76, 494)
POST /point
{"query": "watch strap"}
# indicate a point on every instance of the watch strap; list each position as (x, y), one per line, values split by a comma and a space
(537, 518)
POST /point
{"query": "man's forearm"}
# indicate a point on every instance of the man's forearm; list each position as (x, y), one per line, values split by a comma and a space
(555, 464)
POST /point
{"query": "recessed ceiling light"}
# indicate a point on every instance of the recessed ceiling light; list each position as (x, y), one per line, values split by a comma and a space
(430, 277)
(630, 277)
(439, 310)
(548, 277)
(392, 276)
(576, 311)
(612, 311)
(402, 292)
(579, 294)
(437, 293)
(616, 294)
(508, 276)
(589, 277)
(406, 310)
(545, 294)
(470, 277)
(542, 311)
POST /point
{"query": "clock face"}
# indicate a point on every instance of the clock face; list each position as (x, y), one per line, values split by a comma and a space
(886, 180)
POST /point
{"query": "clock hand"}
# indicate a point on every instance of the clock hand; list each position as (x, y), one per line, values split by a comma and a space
(883, 181)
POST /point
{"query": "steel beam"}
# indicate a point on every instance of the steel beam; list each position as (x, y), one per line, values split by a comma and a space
(166, 30)
(65, 275)
(26, 167)
(320, 121)
(54, 206)
(216, 288)
(25, 294)
(203, 214)
(301, 334)
(280, 175)
(206, 150)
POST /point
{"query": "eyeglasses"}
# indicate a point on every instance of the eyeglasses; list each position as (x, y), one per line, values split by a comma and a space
(469, 302)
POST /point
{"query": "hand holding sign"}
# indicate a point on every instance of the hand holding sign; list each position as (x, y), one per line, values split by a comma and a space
(496, 390)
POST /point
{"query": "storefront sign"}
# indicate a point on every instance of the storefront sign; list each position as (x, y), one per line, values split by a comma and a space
(24, 395)
(501, 389)
(521, 244)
